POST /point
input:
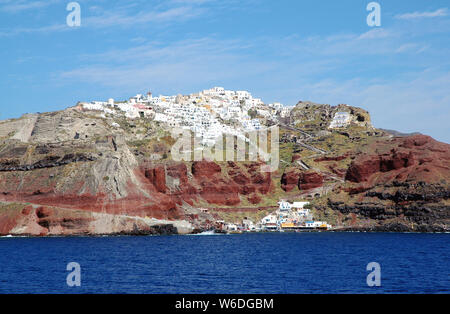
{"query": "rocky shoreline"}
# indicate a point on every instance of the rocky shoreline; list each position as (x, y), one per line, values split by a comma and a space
(395, 228)
(171, 233)
(165, 229)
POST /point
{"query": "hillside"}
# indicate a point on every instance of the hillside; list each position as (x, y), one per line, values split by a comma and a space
(79, 171)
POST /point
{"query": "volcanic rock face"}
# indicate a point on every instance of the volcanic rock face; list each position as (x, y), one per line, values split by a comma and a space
(48, 221)
(205, 169)
(406, 184)
(303, 180)
(157, 176)
(363, 168)
(290, 180)
(208, 183)
(75, 173)
(412, 158)
(310, 180)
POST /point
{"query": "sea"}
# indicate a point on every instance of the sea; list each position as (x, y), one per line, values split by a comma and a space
(259, 263)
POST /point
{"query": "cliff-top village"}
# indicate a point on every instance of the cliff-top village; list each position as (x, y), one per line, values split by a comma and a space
(208, 114)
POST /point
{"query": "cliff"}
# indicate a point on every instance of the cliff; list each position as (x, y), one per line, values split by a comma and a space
(74, 172)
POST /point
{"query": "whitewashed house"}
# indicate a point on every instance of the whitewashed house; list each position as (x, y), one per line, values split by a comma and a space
(269, 223)
(242, 95)
(285, 112)
(160, 117)
(231, 227)
(248, 224)
(269, 219)
(284, 206)
(315, 224)
(276, 106)
(299, 205)
(263, 112)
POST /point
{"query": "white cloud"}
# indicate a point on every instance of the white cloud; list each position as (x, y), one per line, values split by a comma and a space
(24, 5)
(34, 30)
(411, 47)
(376, 33)
(185, 63)
(117, 18)
(426, 14)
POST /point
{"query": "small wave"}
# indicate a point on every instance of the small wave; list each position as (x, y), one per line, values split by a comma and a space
(207, 233)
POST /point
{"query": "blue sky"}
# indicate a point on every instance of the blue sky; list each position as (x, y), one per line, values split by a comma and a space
(285, 51)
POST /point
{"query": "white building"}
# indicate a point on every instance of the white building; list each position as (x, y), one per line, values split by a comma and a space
(276, 106)
(269, 223)
(264, 113)
(303, 213)
(231, 227)
(285, 112)
(269, 219)
(286, 206)
(299, 205)
(248, 224)
(316, 224)
(215, 91)
(242, 95)
(92, 106)
(159, 117)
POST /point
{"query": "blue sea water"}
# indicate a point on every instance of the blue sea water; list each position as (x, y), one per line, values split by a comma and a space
(247, 263)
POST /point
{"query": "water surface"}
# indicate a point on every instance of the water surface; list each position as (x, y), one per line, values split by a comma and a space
(248, 263)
